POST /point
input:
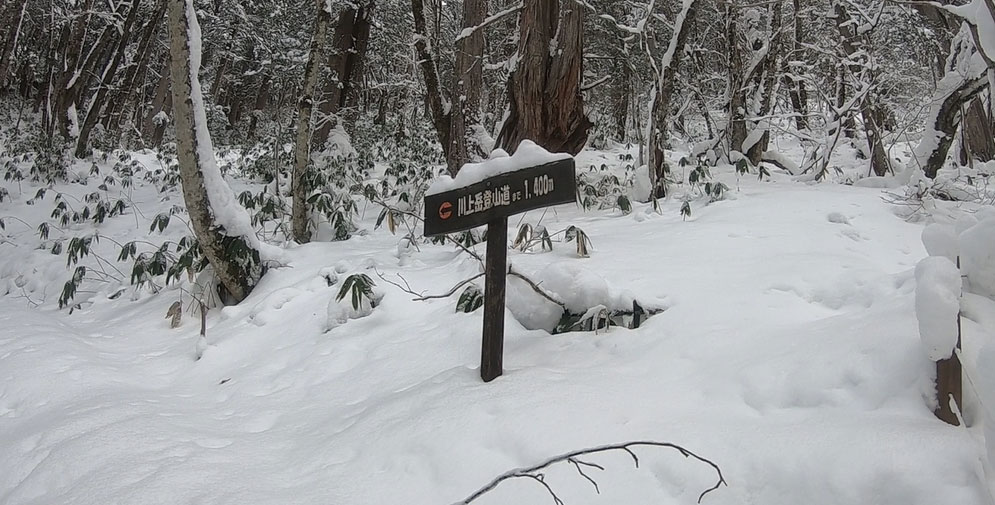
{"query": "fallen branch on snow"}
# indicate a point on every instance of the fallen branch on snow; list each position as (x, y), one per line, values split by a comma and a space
(534, 472)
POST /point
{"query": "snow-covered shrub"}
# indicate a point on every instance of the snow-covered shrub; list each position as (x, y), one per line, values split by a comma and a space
(586, 297)
(356, 298)
(603, 188)
(938, 289)
(701, 182)
(471, 299)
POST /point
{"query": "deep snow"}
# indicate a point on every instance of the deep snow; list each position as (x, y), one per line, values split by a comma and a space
(788, 354)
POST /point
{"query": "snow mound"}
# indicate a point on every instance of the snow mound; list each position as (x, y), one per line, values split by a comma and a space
(529, 154)
(977, 257)
(986, 391)
(941, 240)
(579, 288)
(837, 217)
(938, 288)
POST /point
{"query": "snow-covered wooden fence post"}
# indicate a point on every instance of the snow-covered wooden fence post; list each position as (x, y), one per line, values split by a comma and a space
(949, 384)
(487, 193)
(938, 289)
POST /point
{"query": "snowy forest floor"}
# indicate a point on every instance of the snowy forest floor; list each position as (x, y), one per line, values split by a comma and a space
(788, 354)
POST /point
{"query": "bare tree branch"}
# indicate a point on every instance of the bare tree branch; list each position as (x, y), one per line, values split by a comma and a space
(534, 473)
(535, 287)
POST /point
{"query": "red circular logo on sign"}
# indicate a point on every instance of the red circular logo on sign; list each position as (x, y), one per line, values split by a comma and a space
(446, 210)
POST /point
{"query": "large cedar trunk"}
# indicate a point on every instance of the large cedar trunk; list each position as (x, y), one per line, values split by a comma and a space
(440, 110)
(546, 105)
(196, 158)
(301, 186)
(468, 83)
(346, 61)
(356, 66)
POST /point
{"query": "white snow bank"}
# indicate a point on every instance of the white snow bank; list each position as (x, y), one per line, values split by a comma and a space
(977, 257)
(986, 392)
(579, 288)
(938, 288)
(782, 160)
(529, 308)
(528, 154)
(941, 240)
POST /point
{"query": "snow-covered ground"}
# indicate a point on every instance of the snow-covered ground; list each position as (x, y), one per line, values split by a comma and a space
(788, 354)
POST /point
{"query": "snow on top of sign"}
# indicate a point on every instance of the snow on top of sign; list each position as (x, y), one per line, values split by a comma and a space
(528, 154)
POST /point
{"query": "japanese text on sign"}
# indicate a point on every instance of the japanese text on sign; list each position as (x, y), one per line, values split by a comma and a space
(504, 195)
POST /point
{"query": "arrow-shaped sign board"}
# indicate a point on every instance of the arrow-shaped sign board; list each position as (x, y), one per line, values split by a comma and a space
(500, 196)
(490, 202)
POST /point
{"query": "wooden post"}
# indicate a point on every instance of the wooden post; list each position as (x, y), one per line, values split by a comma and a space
(490, 202)
(949, 382)
(495, 274)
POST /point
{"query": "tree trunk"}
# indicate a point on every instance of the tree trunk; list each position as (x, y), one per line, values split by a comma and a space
(97, 103)
(979, 138)
(765, 85)
(228, 243)
(129, 85)
(236, 90)
(301, 185)
(546, 105)
(75, 70)
(664, 91)
(852, 42)
(356, 64)
(160, 99)
(622, 100)
(159, 127)
(737, 90)
(219, 77)
(259, 105)
(16, 11)
(440, 108)
(468, 83)
(331, 100)
(796, 87)
(951, 94)
(347, 63)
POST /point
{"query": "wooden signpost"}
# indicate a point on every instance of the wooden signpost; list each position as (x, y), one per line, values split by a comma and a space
(490, 202)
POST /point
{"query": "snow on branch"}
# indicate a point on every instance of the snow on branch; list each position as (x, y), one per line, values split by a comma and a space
(493, 18)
